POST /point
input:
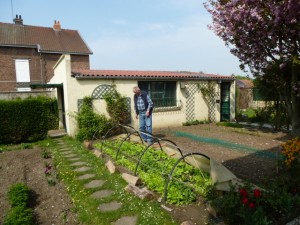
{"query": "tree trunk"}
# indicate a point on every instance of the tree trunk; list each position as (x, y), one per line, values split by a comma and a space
(295, 102)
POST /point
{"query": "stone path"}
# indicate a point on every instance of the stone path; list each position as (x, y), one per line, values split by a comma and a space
(86, 173)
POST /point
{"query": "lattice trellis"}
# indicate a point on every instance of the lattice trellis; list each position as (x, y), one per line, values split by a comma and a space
(101, 90)
(79, 104)
(190, 103)
(193, 88)
(211, 102)
(212, 107)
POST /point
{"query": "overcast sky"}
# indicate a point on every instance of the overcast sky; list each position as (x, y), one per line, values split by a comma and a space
(168, 35)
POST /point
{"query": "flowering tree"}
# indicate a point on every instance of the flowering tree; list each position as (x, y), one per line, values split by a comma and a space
(265, 36)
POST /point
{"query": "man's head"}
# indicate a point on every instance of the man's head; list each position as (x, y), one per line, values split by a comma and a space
(136, 90)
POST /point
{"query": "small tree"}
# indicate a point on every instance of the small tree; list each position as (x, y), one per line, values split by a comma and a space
(264, 35)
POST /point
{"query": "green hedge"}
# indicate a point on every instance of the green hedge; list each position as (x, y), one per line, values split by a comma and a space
(27, 120)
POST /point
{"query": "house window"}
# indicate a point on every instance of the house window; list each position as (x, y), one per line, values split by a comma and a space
(162, 93)
(22, 74)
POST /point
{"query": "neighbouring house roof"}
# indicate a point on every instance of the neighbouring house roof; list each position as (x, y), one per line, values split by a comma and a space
(152, 75)
(45, 39)
(244, 83)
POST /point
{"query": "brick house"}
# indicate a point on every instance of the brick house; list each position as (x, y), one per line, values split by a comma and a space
(28, 53)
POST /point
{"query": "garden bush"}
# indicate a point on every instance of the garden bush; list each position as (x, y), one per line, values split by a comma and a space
(27, 120)
(19, 215)
(90, 122)
(18, 194)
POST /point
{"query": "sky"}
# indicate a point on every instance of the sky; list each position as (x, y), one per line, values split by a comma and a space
(160, 35)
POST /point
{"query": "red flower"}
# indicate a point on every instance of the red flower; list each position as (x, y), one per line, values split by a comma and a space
(257, 193)
(251, 205)
(245, 201)
(243, 192)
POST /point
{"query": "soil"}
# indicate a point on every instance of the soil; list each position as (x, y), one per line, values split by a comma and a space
(52, 204)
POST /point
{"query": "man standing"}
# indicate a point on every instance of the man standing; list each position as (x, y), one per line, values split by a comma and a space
(143, 107)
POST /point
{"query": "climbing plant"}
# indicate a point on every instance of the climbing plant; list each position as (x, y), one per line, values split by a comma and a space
(209, 94)
(89, 122)
(117, 107)
(207, 91)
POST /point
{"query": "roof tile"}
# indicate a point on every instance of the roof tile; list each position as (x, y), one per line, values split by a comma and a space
(48, 39)
(92, 74)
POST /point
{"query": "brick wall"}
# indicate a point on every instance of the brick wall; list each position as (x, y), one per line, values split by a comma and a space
(40, 65)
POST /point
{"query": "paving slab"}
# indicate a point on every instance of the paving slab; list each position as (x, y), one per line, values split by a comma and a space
(56, 133)
(78, 163)
(94, 184)
(102, 194)
(67, 153)
(111, 206)
(72, 155)
(86, 176)
(74, 159)
(128, 220)
(82, 169)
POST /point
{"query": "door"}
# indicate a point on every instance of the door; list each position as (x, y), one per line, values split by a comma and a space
(225, 101)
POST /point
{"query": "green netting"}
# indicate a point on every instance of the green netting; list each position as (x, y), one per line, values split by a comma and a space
(227, 144)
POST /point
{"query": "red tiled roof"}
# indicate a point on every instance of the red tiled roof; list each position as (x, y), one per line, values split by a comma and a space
(48, 39)
(131, 74)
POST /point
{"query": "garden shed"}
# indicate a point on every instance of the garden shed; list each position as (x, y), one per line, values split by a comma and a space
(178, 96)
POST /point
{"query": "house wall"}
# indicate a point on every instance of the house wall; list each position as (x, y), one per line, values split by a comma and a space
(75, 90)
(40, 65)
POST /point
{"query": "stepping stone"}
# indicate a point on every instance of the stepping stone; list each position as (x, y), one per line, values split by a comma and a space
(56, 133)
(111, 206)
(70, 155)
(78, 164)
(101, 194)
(74, 159)
(86, 176)
(82, 169)
(128, 220)
(67, 152)
(94, 184)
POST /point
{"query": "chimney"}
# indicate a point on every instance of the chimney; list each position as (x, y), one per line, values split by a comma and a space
(56, 26)
(18, 20)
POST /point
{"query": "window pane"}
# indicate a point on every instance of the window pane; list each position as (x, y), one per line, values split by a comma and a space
(162, 93)
(22, 70)
(22, 73)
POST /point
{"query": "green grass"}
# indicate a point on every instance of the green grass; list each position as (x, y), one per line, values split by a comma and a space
(148, 212)
(22, 146)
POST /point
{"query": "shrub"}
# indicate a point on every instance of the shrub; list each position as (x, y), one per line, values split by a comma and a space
(249, 205)
(18, 195)
(27, 120)
(90, 122)
(117, 107)
(19, 215)
(291, 152)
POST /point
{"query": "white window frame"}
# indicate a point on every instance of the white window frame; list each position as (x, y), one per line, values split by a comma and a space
(22, 73)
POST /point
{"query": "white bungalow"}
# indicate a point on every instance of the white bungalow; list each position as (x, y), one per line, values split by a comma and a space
(178, 96)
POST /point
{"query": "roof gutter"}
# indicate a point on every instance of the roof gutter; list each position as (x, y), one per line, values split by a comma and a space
(45, 51)
(149, 78)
